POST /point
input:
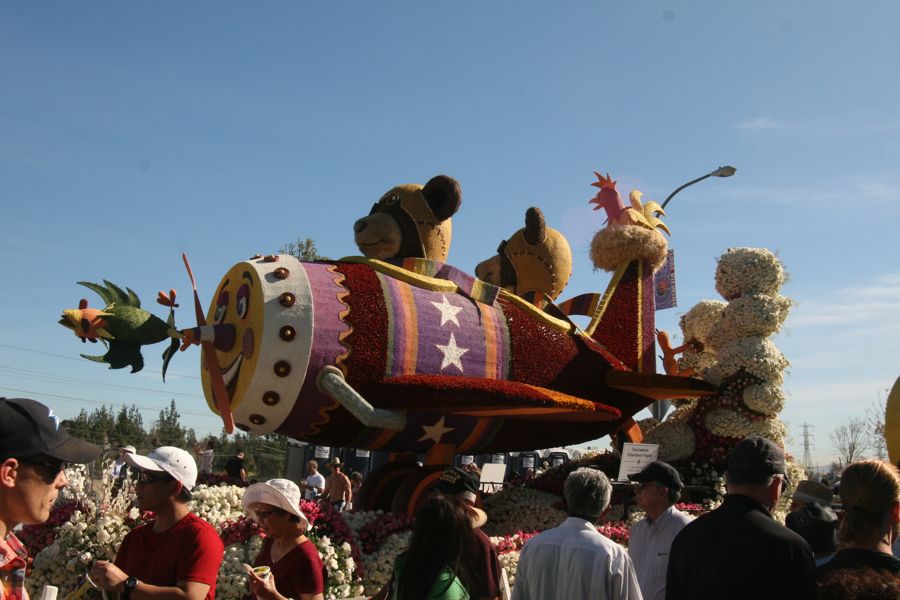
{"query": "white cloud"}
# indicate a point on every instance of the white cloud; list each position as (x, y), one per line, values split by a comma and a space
(864, 190)
(877, 305)
(761, 124)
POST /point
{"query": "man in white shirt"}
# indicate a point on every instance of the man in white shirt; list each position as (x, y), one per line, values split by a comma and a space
(574, 560)
(659, 488)
(315, 482)
(206, 456)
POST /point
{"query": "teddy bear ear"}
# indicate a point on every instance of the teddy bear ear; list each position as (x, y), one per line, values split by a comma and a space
(443, 196)
(535, 227)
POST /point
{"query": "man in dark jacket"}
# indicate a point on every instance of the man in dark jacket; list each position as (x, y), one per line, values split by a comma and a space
(738, 550)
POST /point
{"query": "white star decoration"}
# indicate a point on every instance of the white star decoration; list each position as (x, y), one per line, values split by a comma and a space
(435, 432)
(452, 354)
(448, 311)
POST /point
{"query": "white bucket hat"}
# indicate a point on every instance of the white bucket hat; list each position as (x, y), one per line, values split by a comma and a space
(281, 493)
(174, 461)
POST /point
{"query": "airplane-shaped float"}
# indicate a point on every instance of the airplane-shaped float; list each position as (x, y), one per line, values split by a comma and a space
(417, 357)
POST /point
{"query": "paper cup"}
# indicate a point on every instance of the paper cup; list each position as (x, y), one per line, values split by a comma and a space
(262, 572)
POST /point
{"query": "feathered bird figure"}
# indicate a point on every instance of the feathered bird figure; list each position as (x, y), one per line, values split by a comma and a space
(643, 215)
(123, 326)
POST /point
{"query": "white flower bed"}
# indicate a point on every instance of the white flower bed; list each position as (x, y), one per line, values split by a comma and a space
(521, 509)
(96, 531)
(379, 565)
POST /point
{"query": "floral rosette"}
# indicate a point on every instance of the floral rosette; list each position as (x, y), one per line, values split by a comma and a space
(750, 315)
(742, 271)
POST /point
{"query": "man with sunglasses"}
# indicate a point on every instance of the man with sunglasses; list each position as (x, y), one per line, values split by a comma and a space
(178, 554)
(34, 450)
(650, 539)
(738, 550)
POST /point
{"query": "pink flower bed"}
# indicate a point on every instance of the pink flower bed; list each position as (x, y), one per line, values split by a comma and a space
(373, 533)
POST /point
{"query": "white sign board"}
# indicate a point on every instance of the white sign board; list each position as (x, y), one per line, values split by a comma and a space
(498, 459)
(528, 462)
(466, 459)
(362, 454)
(635, 457)
(492, 477)
(322, 451)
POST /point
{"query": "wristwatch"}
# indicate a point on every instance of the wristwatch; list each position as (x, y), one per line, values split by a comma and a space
(130, 584)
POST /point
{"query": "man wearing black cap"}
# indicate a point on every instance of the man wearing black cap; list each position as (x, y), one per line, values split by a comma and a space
(34, 450)
(659, 488)
(738, 550)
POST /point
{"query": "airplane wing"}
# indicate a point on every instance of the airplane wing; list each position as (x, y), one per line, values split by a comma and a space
(480, 397)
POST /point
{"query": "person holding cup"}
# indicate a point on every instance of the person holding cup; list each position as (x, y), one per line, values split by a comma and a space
(296, 571)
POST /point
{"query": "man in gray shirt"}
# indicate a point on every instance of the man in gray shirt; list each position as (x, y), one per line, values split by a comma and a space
(659, 488)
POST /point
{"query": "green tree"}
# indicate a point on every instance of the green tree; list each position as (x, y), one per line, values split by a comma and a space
(129, 429)
(167, 430)
(303, 249)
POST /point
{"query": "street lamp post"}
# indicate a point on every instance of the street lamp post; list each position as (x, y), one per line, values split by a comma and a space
(726, 171)
(659, 408)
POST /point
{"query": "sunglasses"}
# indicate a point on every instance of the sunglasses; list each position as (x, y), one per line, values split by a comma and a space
(52, 465)
(148, 477)
(646, 484)
(264, 514)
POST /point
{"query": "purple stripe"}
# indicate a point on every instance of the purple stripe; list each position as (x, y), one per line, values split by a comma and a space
(325, 347)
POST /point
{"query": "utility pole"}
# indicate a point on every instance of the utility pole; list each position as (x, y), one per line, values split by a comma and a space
(807, 444)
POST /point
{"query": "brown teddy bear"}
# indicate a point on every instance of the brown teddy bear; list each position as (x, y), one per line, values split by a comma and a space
(534, 263)
(411, 221)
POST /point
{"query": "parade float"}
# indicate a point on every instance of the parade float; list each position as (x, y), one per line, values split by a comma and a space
(399, 351)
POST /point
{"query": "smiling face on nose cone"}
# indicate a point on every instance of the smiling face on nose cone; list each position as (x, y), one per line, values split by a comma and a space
(268, 302)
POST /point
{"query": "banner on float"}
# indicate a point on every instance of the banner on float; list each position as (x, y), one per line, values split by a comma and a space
(664, 283)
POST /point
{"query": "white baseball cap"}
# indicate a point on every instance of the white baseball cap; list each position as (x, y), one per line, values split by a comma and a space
(176, 462)
(281, 493)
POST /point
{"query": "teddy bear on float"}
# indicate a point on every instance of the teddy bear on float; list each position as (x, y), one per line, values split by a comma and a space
(535, 263)
(411, 221)
(728, 345)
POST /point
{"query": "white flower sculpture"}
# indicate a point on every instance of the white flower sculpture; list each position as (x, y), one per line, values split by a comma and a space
(728, 345)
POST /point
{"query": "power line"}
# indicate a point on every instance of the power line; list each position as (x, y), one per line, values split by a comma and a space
(79, 359)
(65, 398)
(53, 378)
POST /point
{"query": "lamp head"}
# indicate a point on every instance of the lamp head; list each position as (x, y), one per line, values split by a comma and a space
(726, 171)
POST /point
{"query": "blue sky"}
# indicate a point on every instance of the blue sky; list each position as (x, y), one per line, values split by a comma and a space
(130, 133)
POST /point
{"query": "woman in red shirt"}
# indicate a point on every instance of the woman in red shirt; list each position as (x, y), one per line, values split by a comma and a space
(296, 569)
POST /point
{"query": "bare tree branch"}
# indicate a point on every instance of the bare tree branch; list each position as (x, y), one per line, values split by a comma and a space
(851, 440)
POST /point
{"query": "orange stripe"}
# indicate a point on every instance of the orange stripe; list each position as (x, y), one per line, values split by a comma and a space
(490, 342)
(383, 438)
(476, 434)
(412, 332)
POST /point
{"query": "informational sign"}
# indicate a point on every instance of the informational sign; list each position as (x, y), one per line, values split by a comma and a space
(492, 477)
(362, 454)
(466, 459)
(635, 457)
(498, 459)
(323, 451)
(556, 461)
(528, 461)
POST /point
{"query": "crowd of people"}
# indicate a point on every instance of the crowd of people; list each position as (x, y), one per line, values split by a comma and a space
(737, 550)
